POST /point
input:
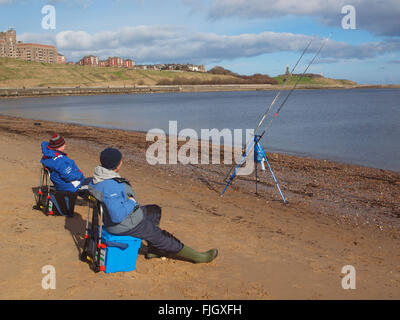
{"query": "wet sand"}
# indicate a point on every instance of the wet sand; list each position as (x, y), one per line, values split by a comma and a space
(336, 215)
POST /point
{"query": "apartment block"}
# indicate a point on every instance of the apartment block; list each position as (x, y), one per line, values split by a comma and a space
(128, 63)
(61, 59)
(2, 48)
(8, 43)
(115, 62)
(89, 61)
(37, 52)
(110, 62)
(103, 63)
(10, 48)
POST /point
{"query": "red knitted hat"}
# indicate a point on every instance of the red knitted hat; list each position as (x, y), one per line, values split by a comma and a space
(56, 141)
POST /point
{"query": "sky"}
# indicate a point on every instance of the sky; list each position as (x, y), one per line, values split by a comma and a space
(244, 36)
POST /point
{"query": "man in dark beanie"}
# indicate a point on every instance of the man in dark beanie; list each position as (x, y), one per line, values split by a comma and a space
(64, 173)
(124, 215)
(110, 158)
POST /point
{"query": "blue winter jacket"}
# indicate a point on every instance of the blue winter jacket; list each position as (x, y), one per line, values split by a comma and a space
(64, 173)
(123, 213)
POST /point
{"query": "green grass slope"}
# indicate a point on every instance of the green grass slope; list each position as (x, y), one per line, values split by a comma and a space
(16, 73)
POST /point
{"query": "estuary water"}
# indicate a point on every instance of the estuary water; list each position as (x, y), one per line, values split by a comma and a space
(356, 126)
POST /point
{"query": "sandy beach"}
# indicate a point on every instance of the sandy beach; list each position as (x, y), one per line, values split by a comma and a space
(337, 215)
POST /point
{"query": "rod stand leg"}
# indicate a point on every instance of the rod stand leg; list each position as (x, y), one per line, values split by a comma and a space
(260, 149)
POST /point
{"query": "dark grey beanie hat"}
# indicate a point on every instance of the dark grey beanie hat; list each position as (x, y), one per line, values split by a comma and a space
(110, 158)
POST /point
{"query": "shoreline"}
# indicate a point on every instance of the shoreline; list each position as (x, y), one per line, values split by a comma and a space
(78, 90)
(212, 145)
(336, 215)
(284, 166)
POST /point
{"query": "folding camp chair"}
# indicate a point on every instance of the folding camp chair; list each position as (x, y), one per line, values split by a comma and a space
(51, 201)
(104, 251)
(43, 194)
(92, 247)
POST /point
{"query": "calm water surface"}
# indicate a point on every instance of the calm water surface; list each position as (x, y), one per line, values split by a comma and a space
(360, 126)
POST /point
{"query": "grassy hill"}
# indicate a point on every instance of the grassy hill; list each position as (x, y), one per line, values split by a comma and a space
(18, 74)
(312, 79)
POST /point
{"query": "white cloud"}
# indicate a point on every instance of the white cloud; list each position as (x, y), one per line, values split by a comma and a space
(175, 44)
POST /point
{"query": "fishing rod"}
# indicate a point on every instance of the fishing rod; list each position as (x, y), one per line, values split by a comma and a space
(295, 85)
(276, 114)
(275, 98)
(283, 86)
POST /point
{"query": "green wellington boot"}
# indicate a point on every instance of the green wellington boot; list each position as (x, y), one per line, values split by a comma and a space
(192, 255)
(150, 255)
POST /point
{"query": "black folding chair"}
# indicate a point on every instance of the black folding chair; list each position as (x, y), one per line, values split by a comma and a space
(93, 249)
(51, 201)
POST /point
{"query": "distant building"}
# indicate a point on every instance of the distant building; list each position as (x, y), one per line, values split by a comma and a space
(160, 66)
(37, 52)
(89, 61)
(115, 62)
(61, 59)
(103, 63)
(8, 44)
(192, 67)
(109, 62)
(202, 68)
(196, 68)
(10, 48)
(128, 63)
(2, 48)
(141, 67)
(180, 67)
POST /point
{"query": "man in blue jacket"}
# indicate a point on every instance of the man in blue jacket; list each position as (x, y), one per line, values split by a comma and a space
(64, 173)
(124, 215)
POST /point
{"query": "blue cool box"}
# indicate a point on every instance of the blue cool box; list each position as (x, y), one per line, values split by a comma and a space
(120, 259)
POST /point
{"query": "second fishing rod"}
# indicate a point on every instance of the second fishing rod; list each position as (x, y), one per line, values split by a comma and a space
(276, 97)
(252, 144)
